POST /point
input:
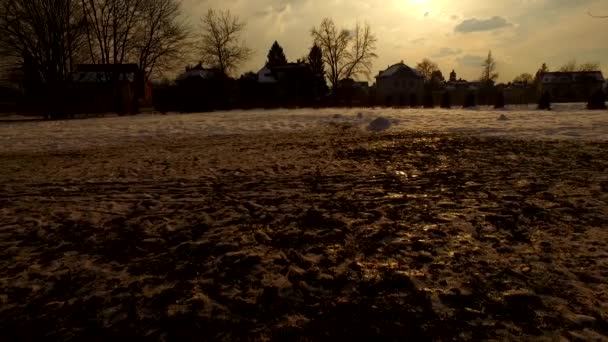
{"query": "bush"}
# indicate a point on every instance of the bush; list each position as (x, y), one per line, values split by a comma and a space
(597, 100)
(413, 100)
(428, 100)
(469, 100)
(544, 102)
(446, 100)
(499, 100)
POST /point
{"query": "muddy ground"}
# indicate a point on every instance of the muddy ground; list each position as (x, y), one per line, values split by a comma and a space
(307, 236)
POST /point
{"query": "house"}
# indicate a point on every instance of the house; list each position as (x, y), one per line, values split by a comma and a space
(519, 93)
(201, 89)
(353, 92)
(399, 85)
(265, 76)
(100, 88)
(292, 84)
(575, 86)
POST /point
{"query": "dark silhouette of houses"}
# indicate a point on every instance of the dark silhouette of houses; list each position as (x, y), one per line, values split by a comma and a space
(354, 93)
(459, 89)
(575, 86)
(201, 89)
(399, 85)
(289, 85)
(100, 88)
(520, 93)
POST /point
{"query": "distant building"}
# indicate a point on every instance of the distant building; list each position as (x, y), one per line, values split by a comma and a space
(575, 86)
(519, 93)
(399, 85)
(353, 92)
(459, 89)
(288, 85)
(201, 89)
(107, 88)
(266, 76)
(198, 72)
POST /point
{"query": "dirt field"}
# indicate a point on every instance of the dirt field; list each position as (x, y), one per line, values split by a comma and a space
(307, 236)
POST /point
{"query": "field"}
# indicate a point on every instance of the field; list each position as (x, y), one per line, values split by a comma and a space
(303, 225)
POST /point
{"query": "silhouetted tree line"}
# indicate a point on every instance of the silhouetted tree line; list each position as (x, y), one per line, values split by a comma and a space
(47, 39)
(279, 84)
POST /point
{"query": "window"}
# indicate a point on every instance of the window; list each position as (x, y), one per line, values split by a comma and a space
(411, 84)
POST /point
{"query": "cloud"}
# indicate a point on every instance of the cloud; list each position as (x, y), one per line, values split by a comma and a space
(418, 41)
(478, 25)
(526, 30)
(446, 51)
(470, 60)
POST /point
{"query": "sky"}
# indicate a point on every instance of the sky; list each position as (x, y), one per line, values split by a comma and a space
(456, 34)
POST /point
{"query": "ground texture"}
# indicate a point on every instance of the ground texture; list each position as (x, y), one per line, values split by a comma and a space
(307, 236)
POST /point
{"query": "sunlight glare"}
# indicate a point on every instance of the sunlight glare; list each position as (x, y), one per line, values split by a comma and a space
(420, 2)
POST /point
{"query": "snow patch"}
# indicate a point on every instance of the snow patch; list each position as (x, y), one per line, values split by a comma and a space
(565, 121)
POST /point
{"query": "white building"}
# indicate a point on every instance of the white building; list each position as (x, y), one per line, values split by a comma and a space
(399, 85)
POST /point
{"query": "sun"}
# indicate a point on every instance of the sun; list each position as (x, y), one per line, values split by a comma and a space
(420, 2)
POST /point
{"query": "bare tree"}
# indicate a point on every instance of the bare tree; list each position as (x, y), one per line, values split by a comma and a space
(489, 74)
(589, 66)
(43, 35)
(573, 66)
(362, 52)
(569, 66)
(426, 68)
(346, 53)
(524, 78)
(220, 43)
(111, 29)
(162, 37)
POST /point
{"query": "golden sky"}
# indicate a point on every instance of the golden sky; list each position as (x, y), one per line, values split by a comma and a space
(456, 34)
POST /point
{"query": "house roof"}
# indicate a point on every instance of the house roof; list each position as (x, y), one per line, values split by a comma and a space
(353, 83)
(399, 68)
(569, 77)
(202, 73)
(101, 76)
(265, 76)
(290, 66)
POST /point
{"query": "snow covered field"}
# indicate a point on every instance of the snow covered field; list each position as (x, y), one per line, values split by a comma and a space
(299, 224)
(566, 121)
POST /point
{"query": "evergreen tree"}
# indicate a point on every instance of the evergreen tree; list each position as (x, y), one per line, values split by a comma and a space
(453, 76)
(315, 62)
(489, 74)
(543, 69)
(276, 56)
